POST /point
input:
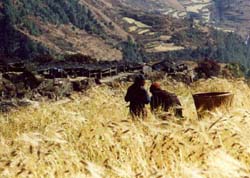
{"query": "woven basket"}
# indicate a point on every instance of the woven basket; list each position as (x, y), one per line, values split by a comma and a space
(210, 101)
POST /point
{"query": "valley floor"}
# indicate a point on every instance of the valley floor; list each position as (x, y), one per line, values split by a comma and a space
(93, 136)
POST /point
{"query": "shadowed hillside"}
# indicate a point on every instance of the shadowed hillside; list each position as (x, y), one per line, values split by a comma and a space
(60, 27)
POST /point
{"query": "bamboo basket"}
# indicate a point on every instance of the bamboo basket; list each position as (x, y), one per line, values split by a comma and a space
(212, 100)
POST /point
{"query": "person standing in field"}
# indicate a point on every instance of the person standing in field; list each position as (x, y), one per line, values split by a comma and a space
(138, 97)
(162, 99)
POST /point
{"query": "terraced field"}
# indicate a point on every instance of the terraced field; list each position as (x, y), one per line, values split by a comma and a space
(230, 15)
(152, 40)
(201, 7)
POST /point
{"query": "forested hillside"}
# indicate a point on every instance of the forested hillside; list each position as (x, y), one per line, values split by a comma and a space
(233, 14)
(218, 45)
(114, 30)
(27, 27)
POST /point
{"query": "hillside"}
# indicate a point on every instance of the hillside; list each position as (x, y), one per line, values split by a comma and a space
(152, 5)
(58, 27)
(93, 136)
(165, 37)
(116, 30)
(233, 14)
(65, 66)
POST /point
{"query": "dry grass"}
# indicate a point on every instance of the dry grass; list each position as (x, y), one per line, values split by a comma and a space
(93, 136)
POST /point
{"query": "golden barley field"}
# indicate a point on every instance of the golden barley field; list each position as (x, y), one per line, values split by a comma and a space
(92, 135)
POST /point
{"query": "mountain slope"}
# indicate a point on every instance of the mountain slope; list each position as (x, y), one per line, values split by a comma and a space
(231, 15)
(114, 30)
(152, 5)
(234, 14)
(62, 27)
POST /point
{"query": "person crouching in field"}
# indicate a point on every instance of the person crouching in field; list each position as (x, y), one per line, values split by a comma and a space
(161, 99)
(138, 97)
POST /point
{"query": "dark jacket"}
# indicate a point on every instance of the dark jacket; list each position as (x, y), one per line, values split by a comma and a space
(163, 99)
(138, 97)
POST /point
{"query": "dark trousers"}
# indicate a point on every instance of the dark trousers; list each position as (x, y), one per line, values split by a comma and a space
(137, 110)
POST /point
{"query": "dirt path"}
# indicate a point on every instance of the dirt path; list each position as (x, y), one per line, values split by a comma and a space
(119, 76)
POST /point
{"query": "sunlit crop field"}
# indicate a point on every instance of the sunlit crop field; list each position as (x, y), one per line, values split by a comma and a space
(92, 135)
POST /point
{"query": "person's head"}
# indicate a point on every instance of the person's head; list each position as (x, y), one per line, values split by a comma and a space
(139, 80)
(154, 86)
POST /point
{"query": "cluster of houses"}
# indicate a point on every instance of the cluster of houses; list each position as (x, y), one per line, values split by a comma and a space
(96, 70)
(58, 79)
